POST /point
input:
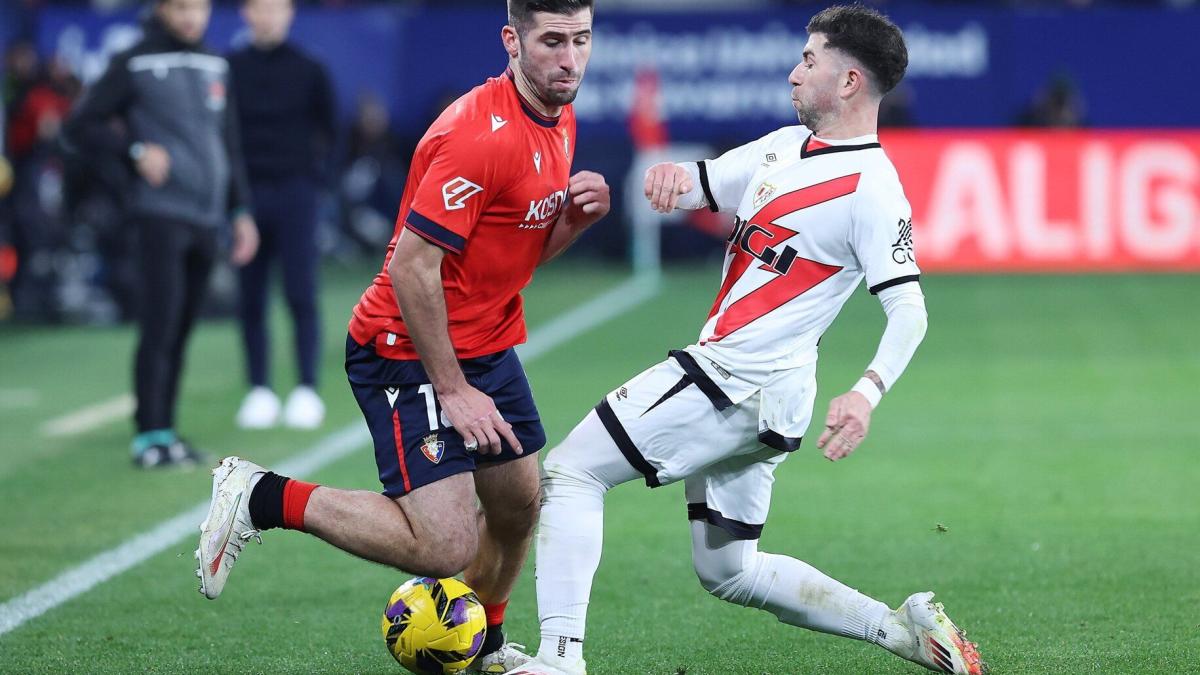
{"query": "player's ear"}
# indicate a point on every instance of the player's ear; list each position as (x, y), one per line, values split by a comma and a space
(852, 81)
(511, 41)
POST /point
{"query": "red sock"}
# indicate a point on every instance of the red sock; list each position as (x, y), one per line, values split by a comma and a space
(495, 613)
(295, 500)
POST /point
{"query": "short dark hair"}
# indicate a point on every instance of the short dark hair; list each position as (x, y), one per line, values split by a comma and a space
(520, 12)
(870, 37)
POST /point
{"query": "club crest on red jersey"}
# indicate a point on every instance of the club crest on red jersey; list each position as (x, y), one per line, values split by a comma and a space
(432, 448)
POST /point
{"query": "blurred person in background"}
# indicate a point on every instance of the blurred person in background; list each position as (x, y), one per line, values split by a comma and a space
(371, 181)
(286, 115)
(41, 99)
(182, 140)
(1058, 105)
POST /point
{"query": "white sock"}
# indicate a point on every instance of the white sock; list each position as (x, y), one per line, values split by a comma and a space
(569, 541)
(797, 593)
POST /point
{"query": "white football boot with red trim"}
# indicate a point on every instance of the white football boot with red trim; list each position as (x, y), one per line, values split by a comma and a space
(939, 645)
(227, 527)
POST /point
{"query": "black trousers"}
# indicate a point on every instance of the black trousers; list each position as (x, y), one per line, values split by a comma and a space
(176, 259)
(287, 222)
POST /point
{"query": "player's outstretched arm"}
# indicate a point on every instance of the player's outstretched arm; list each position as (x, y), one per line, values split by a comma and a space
(589, 202)
(416, 273)
(666, 184)
(849, 416)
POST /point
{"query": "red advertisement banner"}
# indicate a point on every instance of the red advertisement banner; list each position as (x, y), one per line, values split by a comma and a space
(1052, 201)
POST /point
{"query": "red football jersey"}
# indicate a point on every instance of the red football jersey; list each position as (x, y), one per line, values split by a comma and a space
(487, 183)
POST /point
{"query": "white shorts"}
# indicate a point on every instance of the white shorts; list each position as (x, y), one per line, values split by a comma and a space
(673, 422)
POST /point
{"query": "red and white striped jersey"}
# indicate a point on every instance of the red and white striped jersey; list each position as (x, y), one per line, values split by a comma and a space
(813, 218)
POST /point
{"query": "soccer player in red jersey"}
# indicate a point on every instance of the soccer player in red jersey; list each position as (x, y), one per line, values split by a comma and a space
(429, 353)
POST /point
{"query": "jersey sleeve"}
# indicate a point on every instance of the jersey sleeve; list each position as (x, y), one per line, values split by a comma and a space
(723, 181)
(881, 236)
(462, 179)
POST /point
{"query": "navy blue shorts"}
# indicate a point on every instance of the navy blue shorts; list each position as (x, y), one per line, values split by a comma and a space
(414, 444)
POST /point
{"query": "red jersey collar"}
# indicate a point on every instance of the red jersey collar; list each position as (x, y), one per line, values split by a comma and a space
(537, 117)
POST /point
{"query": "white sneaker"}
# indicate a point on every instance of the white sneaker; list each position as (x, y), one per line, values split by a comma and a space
(260, 409)
(304, 409)
(509, 656)
(543, 666)
(227, 527)
(939, 645)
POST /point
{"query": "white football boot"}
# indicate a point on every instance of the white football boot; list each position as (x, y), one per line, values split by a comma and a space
(304, 409)
(510, 655)
(938, 644)
(227, 527)
(259, 410)
(541, 666)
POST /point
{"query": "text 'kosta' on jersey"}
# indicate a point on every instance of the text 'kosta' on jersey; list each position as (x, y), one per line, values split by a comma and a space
(487, 183)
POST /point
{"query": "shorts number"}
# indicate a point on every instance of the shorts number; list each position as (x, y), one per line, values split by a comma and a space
(431, 410)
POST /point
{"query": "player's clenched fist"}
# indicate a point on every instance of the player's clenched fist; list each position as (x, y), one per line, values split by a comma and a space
(589, 198)
(665, 183)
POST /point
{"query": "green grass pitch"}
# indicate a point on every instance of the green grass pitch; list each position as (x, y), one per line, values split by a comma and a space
(1036, 466)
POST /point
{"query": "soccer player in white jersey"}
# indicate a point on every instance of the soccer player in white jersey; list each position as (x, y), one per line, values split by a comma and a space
(818, 208)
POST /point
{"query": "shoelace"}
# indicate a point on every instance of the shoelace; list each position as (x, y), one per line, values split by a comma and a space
(234, 551)
(506, 647)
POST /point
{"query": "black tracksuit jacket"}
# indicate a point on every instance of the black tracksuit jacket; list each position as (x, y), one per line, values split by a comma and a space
(179, 96)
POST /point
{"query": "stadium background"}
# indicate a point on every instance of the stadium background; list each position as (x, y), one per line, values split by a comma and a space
(1036, 466)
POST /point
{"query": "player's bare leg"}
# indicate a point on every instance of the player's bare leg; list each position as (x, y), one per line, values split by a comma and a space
(430, 531)
(508, 497)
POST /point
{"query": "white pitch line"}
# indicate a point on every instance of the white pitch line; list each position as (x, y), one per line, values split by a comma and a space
(91, 417)
(104, 566)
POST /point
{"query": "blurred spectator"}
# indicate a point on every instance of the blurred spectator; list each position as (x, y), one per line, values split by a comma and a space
(285, 106)
(372, 180)
(37, 102)
(38, 111)
(1059, 104)
(182, 139)
(895, 110)
(20, 72)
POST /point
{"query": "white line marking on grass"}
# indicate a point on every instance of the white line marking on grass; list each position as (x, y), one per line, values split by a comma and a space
(91, 417)
(100, 568)
(579, 320)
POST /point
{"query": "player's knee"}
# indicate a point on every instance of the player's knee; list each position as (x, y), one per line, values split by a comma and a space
(451, 557)
(517, 519)
(561, 479)
(716, 573)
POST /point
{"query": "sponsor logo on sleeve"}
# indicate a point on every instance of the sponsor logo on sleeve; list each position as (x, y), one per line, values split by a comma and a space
(456, 192)
(497, 122)
(902, 250)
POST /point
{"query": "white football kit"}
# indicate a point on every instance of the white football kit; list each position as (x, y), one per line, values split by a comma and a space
(813, 218)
